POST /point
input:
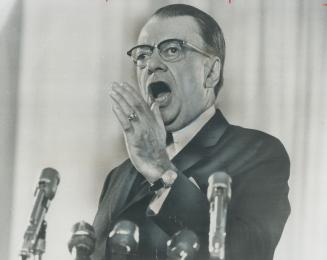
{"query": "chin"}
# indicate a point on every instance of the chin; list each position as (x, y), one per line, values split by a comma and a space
(173, 126)
(172, 118)
(169, 118)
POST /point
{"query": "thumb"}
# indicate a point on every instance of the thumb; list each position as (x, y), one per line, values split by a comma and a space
(157, 114)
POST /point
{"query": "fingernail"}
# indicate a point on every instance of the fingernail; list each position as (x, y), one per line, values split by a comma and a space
(115, 84)
(153, 105)
(112, 93)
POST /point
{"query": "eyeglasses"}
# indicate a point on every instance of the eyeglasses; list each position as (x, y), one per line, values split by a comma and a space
(170, 50)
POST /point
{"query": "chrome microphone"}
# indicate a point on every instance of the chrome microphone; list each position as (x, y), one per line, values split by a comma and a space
(123, 240)
(44, 193)
(219, 194)
(183, 245)
(82, 242)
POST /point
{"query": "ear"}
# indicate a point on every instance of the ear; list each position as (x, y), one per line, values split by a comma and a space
(212, 72)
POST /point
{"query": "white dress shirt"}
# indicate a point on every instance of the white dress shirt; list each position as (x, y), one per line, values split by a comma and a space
(181, 138)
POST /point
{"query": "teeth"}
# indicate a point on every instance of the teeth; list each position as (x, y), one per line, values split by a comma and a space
(162, 97)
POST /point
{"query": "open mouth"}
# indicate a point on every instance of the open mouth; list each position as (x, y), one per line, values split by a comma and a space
(160, 92)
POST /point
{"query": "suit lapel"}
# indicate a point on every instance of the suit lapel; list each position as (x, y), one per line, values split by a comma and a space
(143, 191)
(191, 154)
(196, 149)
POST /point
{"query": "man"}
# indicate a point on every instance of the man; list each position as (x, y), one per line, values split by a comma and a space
(179, 61)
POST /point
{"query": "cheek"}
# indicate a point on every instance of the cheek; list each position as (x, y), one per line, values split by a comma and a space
(192, 78)
(139, 76)
(141, 81)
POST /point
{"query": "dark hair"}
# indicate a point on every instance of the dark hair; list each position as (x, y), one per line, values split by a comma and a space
(209, 30)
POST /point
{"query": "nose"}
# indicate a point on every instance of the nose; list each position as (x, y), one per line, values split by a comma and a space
(155, 63)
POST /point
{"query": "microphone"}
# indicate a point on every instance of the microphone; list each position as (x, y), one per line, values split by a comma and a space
(219, 194)
(44, 193)
(123, 240)
(82, 242)
(183, 245)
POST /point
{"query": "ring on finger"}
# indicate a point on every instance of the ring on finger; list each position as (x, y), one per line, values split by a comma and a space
(132, 116)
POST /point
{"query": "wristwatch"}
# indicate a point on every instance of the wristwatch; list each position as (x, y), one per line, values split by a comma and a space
(166, 181)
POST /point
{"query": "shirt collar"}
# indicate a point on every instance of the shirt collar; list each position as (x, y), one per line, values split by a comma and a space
(185, 135)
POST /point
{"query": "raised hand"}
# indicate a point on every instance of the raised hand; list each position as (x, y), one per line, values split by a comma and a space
(144, 131)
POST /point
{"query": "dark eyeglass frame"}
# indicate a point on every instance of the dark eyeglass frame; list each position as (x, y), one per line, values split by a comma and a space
(182, 43)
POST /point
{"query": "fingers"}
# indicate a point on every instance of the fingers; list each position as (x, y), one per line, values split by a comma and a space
(120, 100)
(128, 101)
(157, 114)
(123, 120)
(131, 100)
(132, 91)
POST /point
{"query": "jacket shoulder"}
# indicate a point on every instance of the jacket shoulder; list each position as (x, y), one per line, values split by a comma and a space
(262, 143)
(114, 175)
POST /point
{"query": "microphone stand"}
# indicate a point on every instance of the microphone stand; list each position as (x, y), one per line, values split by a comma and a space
(34, 236)
(41, 242)
(37, 249)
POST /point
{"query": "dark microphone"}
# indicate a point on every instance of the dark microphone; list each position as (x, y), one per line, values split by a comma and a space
(123, 240)
(44, 193)
(82, 242)
(183, 245)
(219, 194)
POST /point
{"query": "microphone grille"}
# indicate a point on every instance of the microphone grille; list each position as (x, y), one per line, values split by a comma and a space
(83, 238)
(184, 242)
(124, 237)
(219, 180)
(49, 180)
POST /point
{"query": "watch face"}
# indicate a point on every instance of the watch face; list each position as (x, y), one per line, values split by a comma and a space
(166, 181)
(169, 177)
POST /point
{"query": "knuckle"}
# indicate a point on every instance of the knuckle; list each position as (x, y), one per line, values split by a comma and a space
(127, 127)
(139, 106)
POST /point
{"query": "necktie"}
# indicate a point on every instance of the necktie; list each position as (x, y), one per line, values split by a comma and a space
(171, 147)
(169, 138)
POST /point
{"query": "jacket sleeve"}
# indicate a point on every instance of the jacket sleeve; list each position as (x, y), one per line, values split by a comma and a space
(100, 223)
(258, 211)
(256, 215)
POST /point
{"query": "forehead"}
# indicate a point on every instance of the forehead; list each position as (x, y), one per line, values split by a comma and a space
(158, 29)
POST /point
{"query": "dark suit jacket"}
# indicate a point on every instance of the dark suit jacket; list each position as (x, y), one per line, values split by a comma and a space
(259, 167)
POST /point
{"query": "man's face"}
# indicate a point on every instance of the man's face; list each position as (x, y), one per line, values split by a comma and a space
(177, 87)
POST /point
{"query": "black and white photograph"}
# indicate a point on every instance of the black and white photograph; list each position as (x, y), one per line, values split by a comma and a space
(163, 130)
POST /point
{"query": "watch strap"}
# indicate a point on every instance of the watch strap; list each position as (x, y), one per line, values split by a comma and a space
(166, 181)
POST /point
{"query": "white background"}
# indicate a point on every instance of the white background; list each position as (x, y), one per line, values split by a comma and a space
(58, 57)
